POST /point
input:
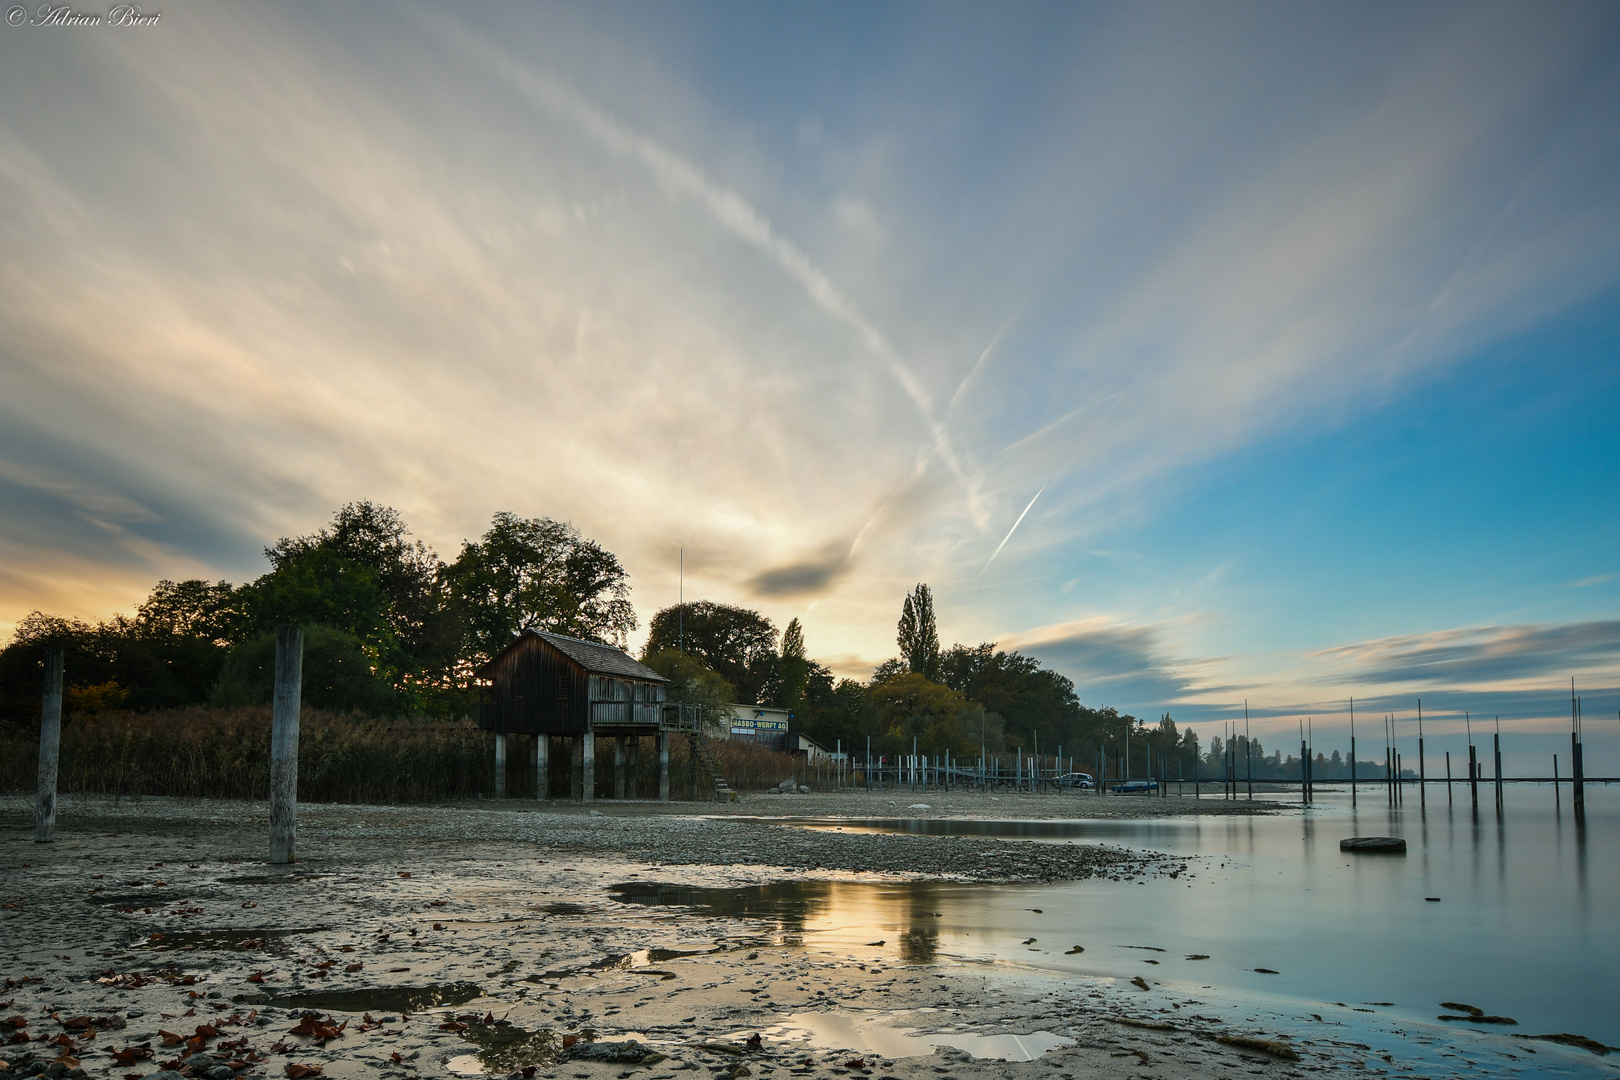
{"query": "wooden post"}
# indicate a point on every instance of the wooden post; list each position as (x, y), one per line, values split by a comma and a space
(542, 766)
(289, 677)
(619, 753)
(1498, 752)
(1577, 775)
(632, 767)
(587, 767)
(50, 744)
(663, 766)
(1448, 777)
(1558, 799)
(1473, 775)
(500, 766)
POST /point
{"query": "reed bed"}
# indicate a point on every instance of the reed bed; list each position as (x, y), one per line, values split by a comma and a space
(224, 753)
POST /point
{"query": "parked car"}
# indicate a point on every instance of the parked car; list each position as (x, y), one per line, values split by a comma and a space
(1076, 780)
(1136, 787)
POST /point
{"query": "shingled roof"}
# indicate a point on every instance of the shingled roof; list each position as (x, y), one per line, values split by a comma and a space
(594, 657)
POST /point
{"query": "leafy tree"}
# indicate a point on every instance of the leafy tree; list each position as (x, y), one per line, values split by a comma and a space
(918, 636)
(795, 669)
(208, 610)
(911, 706)
(405, 572)
(537, 572)
(737, 643)
(316, 586)
(1034, 703)
(692, 682)
(338, 674)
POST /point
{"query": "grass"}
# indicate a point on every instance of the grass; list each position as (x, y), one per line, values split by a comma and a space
(224, 753)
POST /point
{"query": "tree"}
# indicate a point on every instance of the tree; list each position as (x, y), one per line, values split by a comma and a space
(537, 572)
(795, 668)
(1034, 703)
(918, 635)
(692, 682)
(737, 643)
(338, 674)
(209, 610)
(911, 706)
(406, 574)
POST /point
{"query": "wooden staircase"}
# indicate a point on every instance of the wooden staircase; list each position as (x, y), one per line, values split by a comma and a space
(684, 719)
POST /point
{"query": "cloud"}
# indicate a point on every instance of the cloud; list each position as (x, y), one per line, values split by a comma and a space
(1124, 666)
(1596, 579)
(1478, 655)
(805, 576)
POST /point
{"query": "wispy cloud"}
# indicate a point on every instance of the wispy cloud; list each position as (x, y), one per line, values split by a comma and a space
(1479, 655)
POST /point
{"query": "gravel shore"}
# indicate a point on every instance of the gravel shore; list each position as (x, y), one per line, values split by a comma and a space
(517, 939)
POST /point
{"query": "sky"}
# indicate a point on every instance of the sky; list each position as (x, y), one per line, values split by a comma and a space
(1212, 354)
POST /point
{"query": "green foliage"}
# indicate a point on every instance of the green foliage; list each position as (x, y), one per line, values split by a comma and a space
(338, 674)
(918, 635)
(692, 682)
(537, 572)
(795, 670)
(737, 643)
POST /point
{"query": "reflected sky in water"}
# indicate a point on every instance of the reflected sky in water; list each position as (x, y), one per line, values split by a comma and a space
(1525, 924)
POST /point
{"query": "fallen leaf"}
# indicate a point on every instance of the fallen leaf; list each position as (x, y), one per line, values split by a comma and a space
(297, 1071)
(404, 873)
(353, 968)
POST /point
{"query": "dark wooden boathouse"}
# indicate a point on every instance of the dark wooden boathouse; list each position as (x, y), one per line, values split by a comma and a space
(551, 686)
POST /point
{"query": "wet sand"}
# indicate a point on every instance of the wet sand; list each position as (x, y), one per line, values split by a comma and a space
(498, 937)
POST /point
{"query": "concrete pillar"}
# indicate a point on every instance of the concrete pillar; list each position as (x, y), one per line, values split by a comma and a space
(619, 754)
(289, 679)
(50, 742)
(542, 766)
(663, 766)
(631, 789)
(587, 771)
(576, 782)
(500, 766)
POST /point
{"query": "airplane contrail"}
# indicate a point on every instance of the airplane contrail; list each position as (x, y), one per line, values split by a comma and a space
(1008, 537)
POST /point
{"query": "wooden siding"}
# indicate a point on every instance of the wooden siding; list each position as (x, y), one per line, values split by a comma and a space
(537, 689)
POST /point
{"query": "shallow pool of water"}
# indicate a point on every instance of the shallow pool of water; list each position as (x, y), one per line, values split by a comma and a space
(1523, 922)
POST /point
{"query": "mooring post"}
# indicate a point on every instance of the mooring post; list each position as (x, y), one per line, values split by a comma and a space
(1577, 775)
(50, 745)
(1473, 775)
(1304, 777)
(1448, 777)
(500, 766)
(587, 767)
(1558, 799)
(1498, 740)
(289, 678)
(619, 753)
(541, 764)
(663, 766)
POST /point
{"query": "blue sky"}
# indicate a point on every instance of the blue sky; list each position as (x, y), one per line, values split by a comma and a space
(1298, 325)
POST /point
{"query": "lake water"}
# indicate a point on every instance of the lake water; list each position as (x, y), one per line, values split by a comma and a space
(1526, 924)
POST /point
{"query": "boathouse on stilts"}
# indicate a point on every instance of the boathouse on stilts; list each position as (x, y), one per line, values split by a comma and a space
(563, 693)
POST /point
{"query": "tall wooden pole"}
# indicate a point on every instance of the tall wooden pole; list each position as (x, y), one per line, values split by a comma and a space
(289, 677)
(500, 766)
(587, 767)
(1423, 795)
(663, 766)
(542, 766)
(50, 743)
(1352, 753)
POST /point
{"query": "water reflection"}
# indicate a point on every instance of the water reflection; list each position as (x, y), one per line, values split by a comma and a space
(1516, 924)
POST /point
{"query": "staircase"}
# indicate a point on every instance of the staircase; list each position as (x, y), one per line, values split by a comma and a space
(703, 754)
(684, 719)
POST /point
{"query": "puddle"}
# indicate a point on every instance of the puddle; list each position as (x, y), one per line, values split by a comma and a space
(632, 961)
(788, 901)
(504, 1048)
(272, 942)
(272, 879)
(403, 999)
(1059, 830)
(871, 1035)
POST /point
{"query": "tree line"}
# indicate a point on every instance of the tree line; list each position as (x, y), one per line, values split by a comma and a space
(393, 629)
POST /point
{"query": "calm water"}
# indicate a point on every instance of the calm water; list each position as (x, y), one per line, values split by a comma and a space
(1527, 923)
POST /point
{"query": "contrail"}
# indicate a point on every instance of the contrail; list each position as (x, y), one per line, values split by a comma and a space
(1008, 537)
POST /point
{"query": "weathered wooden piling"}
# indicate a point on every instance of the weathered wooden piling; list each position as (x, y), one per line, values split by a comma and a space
(1423, 780)
(1498, 742)
(1352, 753)
(1577, 775)
(587, 767)
(619, 753)
(1473, 776)
(1558, 799)
(663, 767)
(541, 761)
(50, 746)
(289, 678)
(500, 766)
(1448, 777)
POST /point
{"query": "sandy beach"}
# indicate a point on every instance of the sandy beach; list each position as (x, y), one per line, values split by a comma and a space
(632, 941)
